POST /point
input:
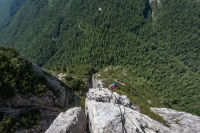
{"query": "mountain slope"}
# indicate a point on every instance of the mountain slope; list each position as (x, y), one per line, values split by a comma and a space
(156, 41)
(8, 9)
(141, 95)
(61, 23)
(30, 98)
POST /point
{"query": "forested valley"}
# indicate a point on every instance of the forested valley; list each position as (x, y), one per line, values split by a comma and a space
(156, 40)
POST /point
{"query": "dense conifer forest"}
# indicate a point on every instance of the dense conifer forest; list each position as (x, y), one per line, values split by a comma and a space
(158, 41)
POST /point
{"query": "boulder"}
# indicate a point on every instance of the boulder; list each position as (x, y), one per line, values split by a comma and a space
(179, 121)
(71, 121)
(107, 113)
(105, 95)
(109, 118)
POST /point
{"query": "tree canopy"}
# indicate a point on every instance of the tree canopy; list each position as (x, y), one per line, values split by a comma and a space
(157, 41)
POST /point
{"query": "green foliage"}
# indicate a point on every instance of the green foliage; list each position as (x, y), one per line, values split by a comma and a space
(8, 9)
(17, 74)
(84, 70)
(159, 42)
(27, 119)
(83, 102)
(78, 86)
(77, 79)
(146, 110)
(137, 89)
(5, 124)
(30, 118)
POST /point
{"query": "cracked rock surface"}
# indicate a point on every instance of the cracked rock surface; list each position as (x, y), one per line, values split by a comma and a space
(109, 113)
(71, 121)
(179, 121)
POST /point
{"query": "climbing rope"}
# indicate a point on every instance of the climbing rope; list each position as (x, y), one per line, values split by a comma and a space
(122, 117)
(121, 114)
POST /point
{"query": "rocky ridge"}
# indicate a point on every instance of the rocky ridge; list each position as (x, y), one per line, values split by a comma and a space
(41, 110)
(111, 114)
(108, 112)
(179, 121)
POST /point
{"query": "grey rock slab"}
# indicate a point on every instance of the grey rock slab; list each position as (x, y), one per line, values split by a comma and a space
(110, 118)
(179, 121)
(105, 95)
(97, 83)
(110, 113)
(71, 121)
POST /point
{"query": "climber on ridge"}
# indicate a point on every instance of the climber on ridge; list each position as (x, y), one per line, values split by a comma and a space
(113, 86)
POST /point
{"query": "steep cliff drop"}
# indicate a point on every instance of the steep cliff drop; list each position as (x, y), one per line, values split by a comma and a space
(109, 112)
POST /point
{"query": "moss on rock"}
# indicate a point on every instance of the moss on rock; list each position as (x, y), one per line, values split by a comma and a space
(18, 75)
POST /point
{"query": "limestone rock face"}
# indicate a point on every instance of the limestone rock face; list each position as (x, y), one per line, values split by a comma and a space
(49, 104)
(71, 121)
(61, 101)
(109, 114)
(109, 118)
(96, 82)
(179, 121)
(105, 95)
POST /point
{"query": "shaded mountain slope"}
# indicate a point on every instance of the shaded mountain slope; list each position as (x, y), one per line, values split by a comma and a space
(8, 9)
(30, 98)
(159, 42)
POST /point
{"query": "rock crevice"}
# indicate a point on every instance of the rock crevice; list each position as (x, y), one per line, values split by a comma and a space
(71, 121)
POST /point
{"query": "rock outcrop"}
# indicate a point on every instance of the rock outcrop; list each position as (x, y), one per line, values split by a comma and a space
(96, 82)
(46, 107)
(179, 121)
(110, 113)
(71, 121)
(106, 96)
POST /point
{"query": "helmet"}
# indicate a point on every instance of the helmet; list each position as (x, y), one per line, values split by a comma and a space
(114, 84)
